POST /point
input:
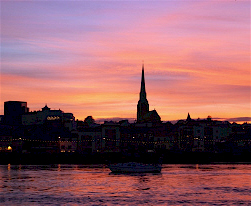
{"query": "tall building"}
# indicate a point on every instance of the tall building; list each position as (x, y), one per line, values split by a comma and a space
(13, 111)
(143, 106)
(143, 113)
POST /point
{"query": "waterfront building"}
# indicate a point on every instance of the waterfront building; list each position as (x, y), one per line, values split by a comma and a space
(165, 137)
(90, 138)
(110, 136)
(203, 135)
(69, 143)
(6, 138)
(13, 111)
(47, 115)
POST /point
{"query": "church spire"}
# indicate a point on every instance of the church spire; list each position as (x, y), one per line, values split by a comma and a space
(143, 106)
(188, 118)
(143, 88)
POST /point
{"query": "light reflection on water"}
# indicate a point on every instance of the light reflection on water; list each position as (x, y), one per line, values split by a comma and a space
(95, 185)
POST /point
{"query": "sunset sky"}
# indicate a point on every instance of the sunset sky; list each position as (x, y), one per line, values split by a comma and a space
(85, 57)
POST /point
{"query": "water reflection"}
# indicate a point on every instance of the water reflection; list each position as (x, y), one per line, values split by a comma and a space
(95, 185)
(135, 174)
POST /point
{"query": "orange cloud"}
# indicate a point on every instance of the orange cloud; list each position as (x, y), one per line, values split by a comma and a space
(88, 62)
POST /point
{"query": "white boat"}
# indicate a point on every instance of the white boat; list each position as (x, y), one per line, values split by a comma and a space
(134, 167)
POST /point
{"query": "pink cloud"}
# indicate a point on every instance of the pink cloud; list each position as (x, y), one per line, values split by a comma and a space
(197, 57)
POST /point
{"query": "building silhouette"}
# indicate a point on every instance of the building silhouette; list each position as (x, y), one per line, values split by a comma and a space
(49, 117)
(48, 131)
(143, 113)
(13, 111)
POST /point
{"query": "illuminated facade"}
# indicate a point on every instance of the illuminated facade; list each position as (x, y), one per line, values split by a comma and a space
(47, 115)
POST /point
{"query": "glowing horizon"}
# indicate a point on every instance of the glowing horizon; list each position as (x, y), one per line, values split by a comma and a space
(86, 57)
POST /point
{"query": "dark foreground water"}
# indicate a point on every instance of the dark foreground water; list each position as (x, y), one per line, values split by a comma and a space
(95, 185)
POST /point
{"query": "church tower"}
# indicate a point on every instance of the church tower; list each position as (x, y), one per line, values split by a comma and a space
(143, 106)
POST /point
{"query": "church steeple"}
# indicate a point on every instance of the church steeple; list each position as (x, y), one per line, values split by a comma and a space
(143, 88)
(143, 106)
(188, 118)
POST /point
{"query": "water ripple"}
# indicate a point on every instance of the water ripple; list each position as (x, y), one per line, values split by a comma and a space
(95, 185)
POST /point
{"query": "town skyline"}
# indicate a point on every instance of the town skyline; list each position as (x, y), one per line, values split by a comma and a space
(86, 57)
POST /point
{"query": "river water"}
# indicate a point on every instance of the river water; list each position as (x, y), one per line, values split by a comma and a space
(95, 185)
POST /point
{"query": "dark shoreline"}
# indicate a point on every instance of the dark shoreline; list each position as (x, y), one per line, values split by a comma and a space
(104, 158)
